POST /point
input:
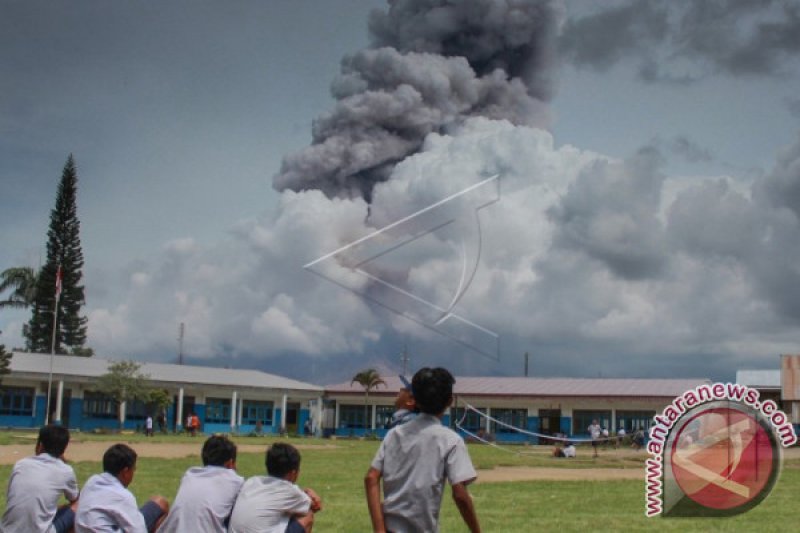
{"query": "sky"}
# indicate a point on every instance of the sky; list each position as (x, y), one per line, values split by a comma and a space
(642, 223)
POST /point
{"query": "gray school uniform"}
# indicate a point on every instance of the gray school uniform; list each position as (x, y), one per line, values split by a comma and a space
(414, 460)
(34, 489)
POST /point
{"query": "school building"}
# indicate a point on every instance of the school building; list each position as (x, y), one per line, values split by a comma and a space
(225, 400)
(562, 407)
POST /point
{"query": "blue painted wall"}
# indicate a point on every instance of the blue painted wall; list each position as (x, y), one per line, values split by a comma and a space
(566, 425)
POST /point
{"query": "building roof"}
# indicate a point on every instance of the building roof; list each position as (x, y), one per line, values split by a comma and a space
(765, 379)
(93, 367)
(549, 387)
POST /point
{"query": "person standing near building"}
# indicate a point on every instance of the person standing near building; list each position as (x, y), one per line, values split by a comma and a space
(148, 426)
(36, 485)
(415, 459)
(594, 430)
(206, 496)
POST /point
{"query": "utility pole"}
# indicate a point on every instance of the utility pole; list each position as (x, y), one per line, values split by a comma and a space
(180, 343)
(404, 358)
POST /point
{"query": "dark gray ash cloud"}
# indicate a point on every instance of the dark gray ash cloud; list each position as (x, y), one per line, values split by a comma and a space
(432, 64)
(683, 41)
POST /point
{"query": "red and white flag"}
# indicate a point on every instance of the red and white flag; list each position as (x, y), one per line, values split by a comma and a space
(58, 283)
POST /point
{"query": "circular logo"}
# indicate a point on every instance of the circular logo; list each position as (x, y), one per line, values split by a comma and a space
(724, 459)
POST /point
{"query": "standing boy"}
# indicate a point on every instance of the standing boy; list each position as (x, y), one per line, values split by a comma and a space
(106, 504)
(404, 402)
(594, 430)
(415, 459)
(274, 503)
(206, 496)
(37, 483)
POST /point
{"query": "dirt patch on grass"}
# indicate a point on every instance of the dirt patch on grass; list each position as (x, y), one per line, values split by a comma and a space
(94, 450)
(546, 473)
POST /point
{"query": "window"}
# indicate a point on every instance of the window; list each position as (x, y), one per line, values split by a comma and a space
(472, 422)
(581, 420)
(353, 416)
(98, 405)
(254, 411)
(517, 418)
(633, 420)
(16, 401)
(383, 414)
(218, 410)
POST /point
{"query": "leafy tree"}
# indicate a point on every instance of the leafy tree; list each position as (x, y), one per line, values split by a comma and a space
(5, 361)
(369, 379)
(158, 401)
(124, 383)
(64, 251)
(21, 281)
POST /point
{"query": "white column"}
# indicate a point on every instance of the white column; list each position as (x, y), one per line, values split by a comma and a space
(179, 414)
(283, 414)
(612, 431)
(488, 422)
(59, 400)
(374, 416)
(320, 417)
(233, 411)
(241, 407)
(122, 408)
(336, 417)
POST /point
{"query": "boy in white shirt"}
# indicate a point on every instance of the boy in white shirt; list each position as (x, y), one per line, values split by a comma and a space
(274, 503)
(106, 504)
(415, 459)
(37, 483)
(206, 496)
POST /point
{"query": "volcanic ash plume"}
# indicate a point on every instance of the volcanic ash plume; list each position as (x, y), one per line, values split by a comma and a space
(432, 64)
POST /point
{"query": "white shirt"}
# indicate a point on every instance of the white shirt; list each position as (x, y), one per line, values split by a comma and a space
(265, 505)
(569, 451)
(414, 459)
(205, 500)
(34, 488)
(594, 431)
(105, 506)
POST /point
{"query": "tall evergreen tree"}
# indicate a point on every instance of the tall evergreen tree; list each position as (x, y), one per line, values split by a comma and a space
(64, 251)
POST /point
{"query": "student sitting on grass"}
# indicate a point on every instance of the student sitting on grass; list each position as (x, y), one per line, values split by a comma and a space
(207, 493)
(106, 504)
(274, 503)
(37, 483)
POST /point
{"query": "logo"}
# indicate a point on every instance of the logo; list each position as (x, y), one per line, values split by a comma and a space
(373, 266)
(717, 451)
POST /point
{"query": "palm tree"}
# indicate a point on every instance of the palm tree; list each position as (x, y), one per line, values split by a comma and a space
(369, 379)
(21, 281)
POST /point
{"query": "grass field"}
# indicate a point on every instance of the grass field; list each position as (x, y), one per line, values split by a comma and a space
(336, 473)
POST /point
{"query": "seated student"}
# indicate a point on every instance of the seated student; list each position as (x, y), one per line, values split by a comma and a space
(569, 450)
(404, 402)
(37, 483)
(206, 496)
(107, 506)
(274, 503)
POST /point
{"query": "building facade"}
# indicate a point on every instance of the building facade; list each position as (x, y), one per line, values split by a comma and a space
(498, 407)
(225, 400)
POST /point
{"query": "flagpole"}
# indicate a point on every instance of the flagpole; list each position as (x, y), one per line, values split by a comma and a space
(52, 347)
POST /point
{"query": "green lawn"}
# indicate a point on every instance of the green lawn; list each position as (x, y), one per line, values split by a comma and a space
(337, 473)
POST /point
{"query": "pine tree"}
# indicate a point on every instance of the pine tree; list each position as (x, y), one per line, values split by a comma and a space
(64, 251)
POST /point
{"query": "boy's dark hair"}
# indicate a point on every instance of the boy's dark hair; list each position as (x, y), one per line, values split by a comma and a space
(117, 458)
(433, 389)
(53, 439)
(218, 450)
(281, 459)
